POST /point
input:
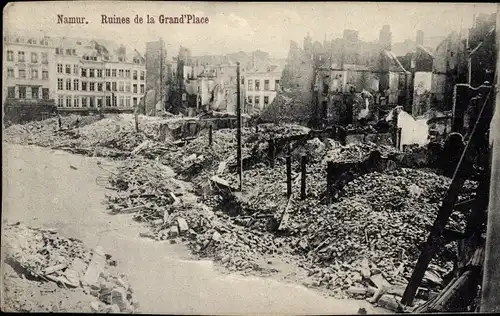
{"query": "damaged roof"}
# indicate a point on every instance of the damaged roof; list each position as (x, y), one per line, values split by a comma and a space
(97, 47)
(395, 63)
(425, 50)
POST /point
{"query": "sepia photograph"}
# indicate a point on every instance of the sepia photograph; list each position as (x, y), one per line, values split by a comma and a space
(250, 158)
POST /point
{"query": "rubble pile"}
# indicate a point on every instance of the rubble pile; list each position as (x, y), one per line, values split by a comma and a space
(142, 186)
(197, 161)
(382, 217)
(235, 247)
(146, 189)
(265, 188)
(355, 152)
(113, 136)
(46, 256)
(287, 107)
(46, 132)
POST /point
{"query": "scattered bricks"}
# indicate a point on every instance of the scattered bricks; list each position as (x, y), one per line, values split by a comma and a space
(166, 217)
(157, 222)
(79, 266)
(95, 306)
(365, 273)
(348, 281)
(182, 225)
(55, 268)
(357, 291)
(356, 277)
(147, 235)
(105, 291)
(389, 302)
(113, 309)
(216, 236)
(122, 283)
(371, 290)
(375, 271)
(192, 234)
(73, 277)
(174, 232)
(397, 290)
(96, 266)
(379, 281)
(119, 297)
(225, 259)
(377, 295)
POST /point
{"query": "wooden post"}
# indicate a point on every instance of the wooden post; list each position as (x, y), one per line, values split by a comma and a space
(400, 130)
(136, 120)
(288, 176)
(434, 241)
(210, 135)
(303, 178)
(329, 182)
(238, 131)
(271, 152)
(256, 128)
(490, 300)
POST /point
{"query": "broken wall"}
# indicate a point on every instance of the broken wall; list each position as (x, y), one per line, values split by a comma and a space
(363, 80)
(422, 93)
(393, 87)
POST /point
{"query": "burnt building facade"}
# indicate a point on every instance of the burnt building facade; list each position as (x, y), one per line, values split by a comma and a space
(156, 70)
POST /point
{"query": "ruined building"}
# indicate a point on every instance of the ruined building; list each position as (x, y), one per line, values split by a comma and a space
(156, 69)
(350, 66)
(482, 52)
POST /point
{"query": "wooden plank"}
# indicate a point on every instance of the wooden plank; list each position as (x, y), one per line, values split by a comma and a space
(132, 209)
(55, 268)
(464, 206)
(285, 216)
(96, 266)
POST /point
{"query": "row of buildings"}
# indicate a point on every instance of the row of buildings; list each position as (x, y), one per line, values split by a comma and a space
(421, 80)
(205, 83)
(71, 74)
(44, 74)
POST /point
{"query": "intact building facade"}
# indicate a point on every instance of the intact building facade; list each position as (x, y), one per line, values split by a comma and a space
(44, 74)
(261, 87)
(28, 76)
(96, 75)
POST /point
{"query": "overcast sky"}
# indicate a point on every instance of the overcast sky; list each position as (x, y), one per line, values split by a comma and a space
(243, 26)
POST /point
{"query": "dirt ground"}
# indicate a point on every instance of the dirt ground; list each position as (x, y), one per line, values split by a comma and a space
(54, 189)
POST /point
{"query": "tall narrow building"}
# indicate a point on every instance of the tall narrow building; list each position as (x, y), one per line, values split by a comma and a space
(156, 65)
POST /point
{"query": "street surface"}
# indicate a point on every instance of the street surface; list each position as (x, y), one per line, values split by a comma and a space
(54, 189)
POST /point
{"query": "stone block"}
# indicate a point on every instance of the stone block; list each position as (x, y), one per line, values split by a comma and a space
(119, 297)
(356, 290)
(182, 225)
(174, 232)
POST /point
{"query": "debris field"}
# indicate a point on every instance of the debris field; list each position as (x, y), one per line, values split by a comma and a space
(366, 239)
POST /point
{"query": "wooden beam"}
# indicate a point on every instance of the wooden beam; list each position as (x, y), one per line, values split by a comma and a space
(434, 241)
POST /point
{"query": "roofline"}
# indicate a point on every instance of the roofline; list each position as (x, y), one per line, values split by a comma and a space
(425, 50)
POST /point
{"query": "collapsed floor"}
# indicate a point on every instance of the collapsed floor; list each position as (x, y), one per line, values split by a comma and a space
(366, 238)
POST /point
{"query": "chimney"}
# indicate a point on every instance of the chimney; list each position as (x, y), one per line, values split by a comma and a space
(385, 37)
(420, 37)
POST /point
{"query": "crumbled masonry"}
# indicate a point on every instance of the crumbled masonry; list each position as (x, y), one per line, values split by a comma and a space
(363, 244)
